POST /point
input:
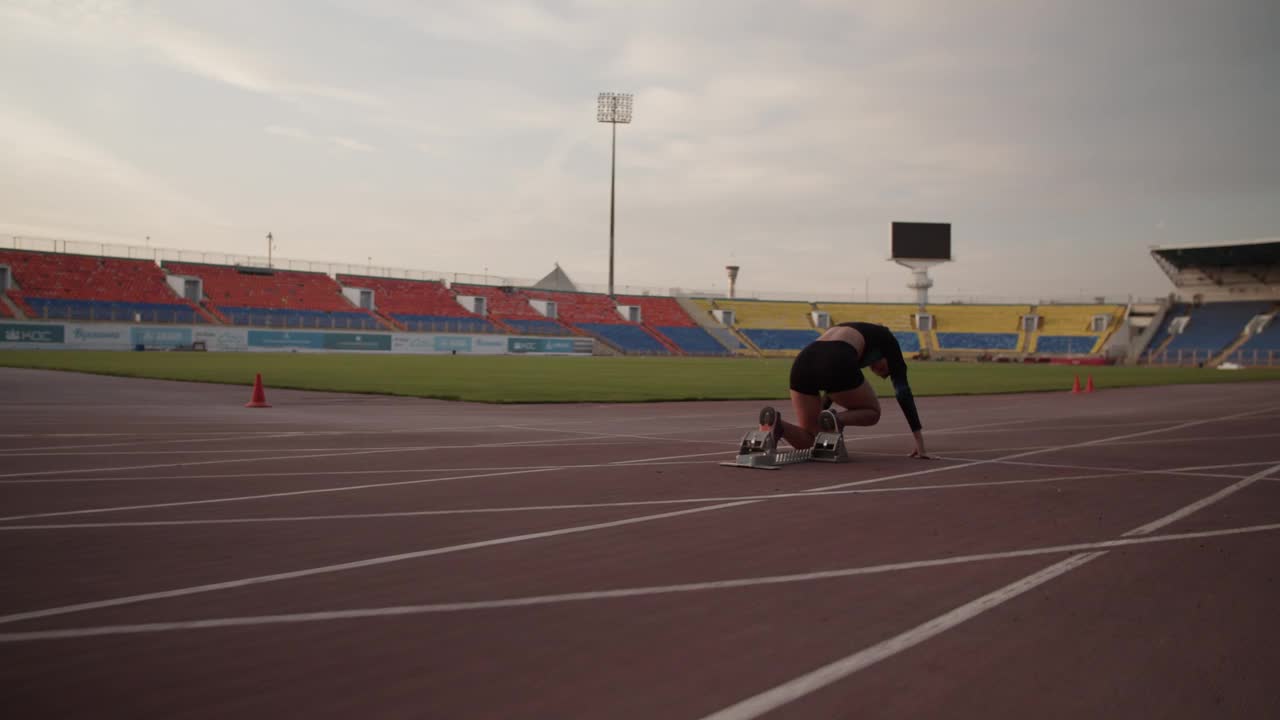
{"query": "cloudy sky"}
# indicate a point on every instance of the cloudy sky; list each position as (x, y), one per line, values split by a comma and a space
(1061, 139)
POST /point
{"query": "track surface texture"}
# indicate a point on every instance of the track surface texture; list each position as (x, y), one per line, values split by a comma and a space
(169, 553)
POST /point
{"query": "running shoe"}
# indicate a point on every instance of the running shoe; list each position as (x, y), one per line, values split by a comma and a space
(829, 421)
(771, 421)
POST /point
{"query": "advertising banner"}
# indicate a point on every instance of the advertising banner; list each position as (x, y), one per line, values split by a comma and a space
(118, 336)
(42, 334)
(160, 337)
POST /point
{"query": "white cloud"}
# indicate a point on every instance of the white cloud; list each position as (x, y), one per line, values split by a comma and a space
(299, 134)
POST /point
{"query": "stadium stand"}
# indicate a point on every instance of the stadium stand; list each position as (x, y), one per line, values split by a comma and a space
(770, 325)
(4, 311)
(598, 315)
(420, 305)
(978, 327)
(1162, 336)
(1067, 329)
(510, 306)
(896, 317)
(276, 298)
(664, 317)
(628, 337)
(61, 286)
(1214, 326)
(769, 314)
(1261, 346)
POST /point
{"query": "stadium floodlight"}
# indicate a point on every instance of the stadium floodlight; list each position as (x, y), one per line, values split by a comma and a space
(613, 108)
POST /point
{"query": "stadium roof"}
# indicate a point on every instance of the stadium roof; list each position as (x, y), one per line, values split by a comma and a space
(1243, 253)
(1246, 262)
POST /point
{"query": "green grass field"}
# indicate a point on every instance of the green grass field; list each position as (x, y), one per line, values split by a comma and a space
(515, 379)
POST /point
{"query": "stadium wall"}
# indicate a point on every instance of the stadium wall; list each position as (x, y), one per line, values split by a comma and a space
(105, 336)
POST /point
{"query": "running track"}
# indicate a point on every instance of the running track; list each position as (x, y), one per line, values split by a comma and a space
(168, 553)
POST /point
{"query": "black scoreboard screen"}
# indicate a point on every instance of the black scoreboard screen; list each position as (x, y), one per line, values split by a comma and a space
(921, 241)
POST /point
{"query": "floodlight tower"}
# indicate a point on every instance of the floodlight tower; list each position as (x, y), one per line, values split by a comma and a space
(733, 278)
(613, 108)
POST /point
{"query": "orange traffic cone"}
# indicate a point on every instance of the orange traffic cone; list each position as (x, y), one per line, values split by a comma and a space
(259, 399)
(1075, 387)
(1089, 386)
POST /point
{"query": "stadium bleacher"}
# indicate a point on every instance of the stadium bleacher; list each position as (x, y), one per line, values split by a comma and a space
(84, 287)
(665, 317)
(510, 307)
(598, 315)
(1068, 329)
(419, 305)
(779, 338)
(1066, 344)
(977, 341)
(1214, 326)
(766, 314)
(978, 327)
(276, 298)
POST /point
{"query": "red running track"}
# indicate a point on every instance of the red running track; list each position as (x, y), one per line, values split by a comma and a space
(170, 553)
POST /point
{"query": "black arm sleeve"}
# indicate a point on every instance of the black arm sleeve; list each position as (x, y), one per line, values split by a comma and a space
(892, 352)
(905, 400)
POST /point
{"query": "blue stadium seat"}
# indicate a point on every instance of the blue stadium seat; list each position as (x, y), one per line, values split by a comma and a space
(978, 341)
(443, 323)
(1066, 344)
(776, 339)
(537, 327)
(908, 341)
(101, 310)
(321, 319)
(1162, 332)
(693, 340)
(1214, 326)
(630, 338)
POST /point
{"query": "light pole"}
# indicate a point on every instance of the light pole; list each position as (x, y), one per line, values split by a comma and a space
(270, 242)
(613, 108)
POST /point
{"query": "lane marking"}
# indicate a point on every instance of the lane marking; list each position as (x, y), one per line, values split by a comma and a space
(757, 705)
(516, 443)
(1039, 451)
(621, 503)
(424, 553)
(339, 567)
(796, 688)
(534, 600)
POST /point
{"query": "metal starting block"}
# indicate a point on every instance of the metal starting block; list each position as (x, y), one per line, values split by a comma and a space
(759, 450)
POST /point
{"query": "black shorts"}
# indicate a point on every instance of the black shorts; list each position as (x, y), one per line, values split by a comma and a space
(830, 365)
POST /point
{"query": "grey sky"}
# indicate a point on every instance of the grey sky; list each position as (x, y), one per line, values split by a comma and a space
(1060, 138)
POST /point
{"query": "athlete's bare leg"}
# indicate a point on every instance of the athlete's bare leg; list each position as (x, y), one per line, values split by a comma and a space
(860, 406)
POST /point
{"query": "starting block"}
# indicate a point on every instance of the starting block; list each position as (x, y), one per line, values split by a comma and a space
(760, 450)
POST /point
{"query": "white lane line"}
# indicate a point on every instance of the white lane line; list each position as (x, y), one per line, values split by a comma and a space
(272, 435)
(318, 491)
(1038, 451)
(383, 559)
(587, 506)
(619, 593)
(757, 705)
(517, 443)
(803, 685)
(1163, 441)
(1096, 468)
(264, 496)
(1203, 503)
(323, 473)
(340, 567)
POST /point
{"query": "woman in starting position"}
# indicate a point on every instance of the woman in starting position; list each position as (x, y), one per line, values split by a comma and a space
(833, 363)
